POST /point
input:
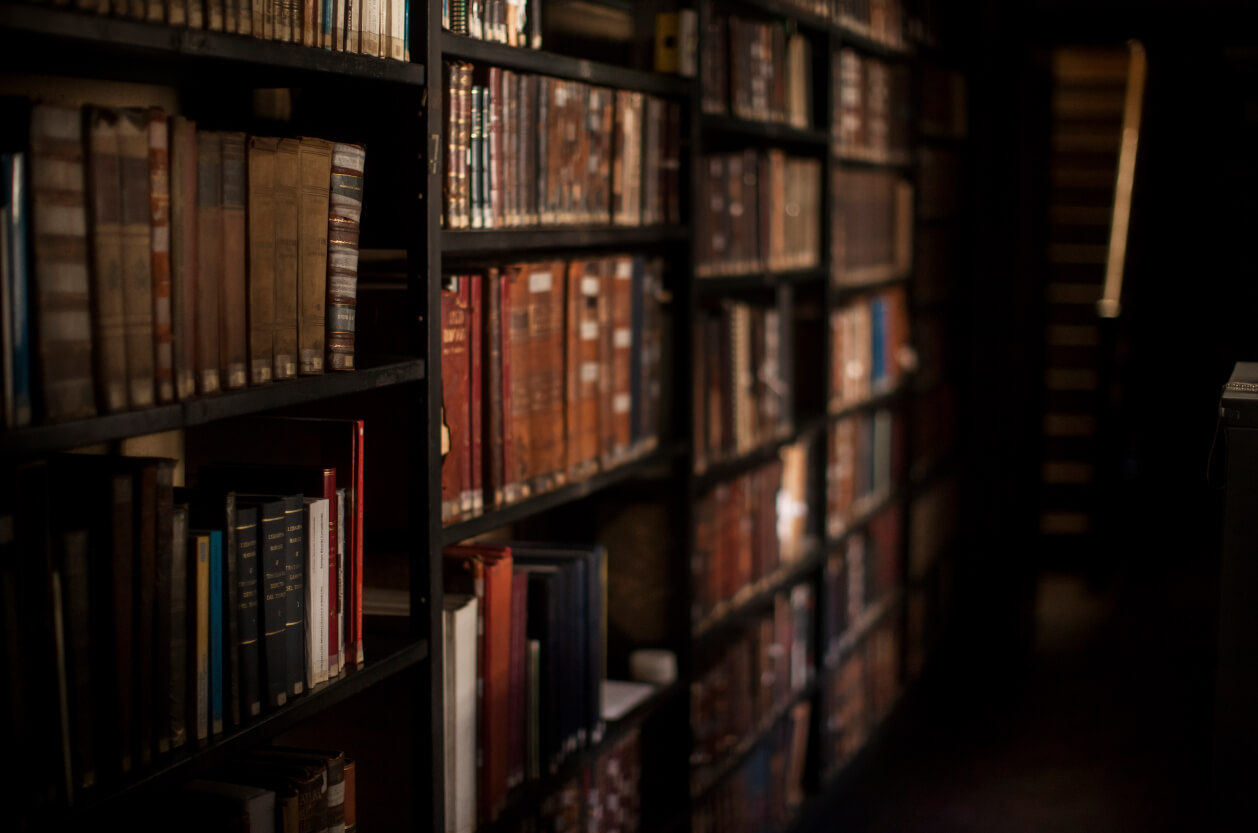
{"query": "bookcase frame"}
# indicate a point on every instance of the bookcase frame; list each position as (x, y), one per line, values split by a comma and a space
(67, 42)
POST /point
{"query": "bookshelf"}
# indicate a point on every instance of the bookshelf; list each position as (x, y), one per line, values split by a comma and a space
(764, 304)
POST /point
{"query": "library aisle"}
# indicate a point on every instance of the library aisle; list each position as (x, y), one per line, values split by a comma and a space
(1105, 729)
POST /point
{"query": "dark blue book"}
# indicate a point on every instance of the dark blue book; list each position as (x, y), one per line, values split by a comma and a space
(216, 632)
(15, 333)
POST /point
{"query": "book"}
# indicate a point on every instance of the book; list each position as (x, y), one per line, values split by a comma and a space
(234, 361)
(208, 309)
(248, 612)
(184, 257)
(287, 258)
(314, 181)
(136, 254)
(104, 178)
(318, 521)
(345, 211)
(160, 252)
(272, 554)
(459, 668)
(262, 257)
(15, 316)
(199, 634)
(455, 395)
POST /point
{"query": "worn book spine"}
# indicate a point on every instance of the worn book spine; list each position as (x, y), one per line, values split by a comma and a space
(520, 372)
(176, 684)
(476, 393)
(316, 511)
(510, 483)
(196, 14)
(475, 142)
(162, 624)
(622, 356)
(104, 172)
(209, 257)
(494, 149)
(246, 612)
(215, 15)
(233, 329)
(606, 423)
(295, 594)
(589, 370)
(199, 633)
(272, 589)
(455, 389)
(571, 362)
(465, 493)
(287, 258)
(492, 394)
(183, 252)
(344, 213)
(517, 699)
(216, 633)
(14, 283)
(159, 253)
(230, 585)
(261, 248)
(314, 173)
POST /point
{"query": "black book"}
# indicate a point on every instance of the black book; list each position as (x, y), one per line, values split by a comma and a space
(176, 680)
(543, 626)
(272, 572)
(163, 629)
(145, 598)
(294, 586)
(247, 644)
(71, 596)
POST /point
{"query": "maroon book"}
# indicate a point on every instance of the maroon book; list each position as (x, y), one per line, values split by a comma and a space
(454, 393)
(475, 376)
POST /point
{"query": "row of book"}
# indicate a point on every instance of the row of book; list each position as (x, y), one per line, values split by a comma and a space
(871, 119)
(524, 663)
(871, 226)
(756, 70)
(858, 696)
(757, 211)
(860, 575)
(527, 150)
(148, 261)
(752, 682)
(749, 528)
(551, 372)
(149, 620)
(870, 347)
(743, 378)
(867, 458)
(513, 22)
(272, 789)
(377, 27)
(944, 107)
(761, 795)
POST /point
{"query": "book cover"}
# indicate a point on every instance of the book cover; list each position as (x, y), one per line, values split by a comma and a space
(455, 389)
(104, 180)
(137, 256)
(345, 211)
(314, 181)
(287, 259)
(234, 360)
(262, 257)
(476, 283)
(184, 258)
(159, 247)
(248, 635)
(209, 262)
(272, 590)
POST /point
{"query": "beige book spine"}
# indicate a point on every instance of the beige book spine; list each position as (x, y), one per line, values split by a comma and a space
(315, 174)
(286, 258)
(261, 282)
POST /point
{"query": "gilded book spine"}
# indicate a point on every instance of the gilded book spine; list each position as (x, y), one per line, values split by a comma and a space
(344, 212)
(159, 217)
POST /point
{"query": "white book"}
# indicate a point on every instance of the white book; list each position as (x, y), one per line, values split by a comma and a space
(257, 802)
(459, 622)
(371, 28)
(317, 531)
(397, 30)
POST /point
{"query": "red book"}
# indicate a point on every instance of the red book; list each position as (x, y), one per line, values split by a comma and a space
(454, 394)
(510, 485)
(475, 376)
(518, 377)
(465, 414)
(622, 356)
(517, 697)
(572, 364)
(489, 567)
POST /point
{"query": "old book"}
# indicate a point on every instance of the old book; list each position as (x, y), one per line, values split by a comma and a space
(517, 706)
(345, 210)
(199, 634)
(370, 43)
(317, 525)
(209, 260)
(295, 593)
(476, 391)
(459, 664)
(104, 177)
(494, 417)
(455, 390)
(15, 319)
(159, 248)
(233, 329)
(184, 259)
(175, 684)
(248, 611)
(622, 355)
(315, 173)
(272, 601)
(545, 300)
(137, 256)
(287, 258)
(510, 470)
(262, 258)
(606, 328)
(589, 372)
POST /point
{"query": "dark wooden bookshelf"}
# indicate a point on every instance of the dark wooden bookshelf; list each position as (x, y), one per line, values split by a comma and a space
(542, 62)
(873, 403)
(854, 159)
(731, 467)
(778, 133)
(732, 284)
(493, 244)
(180, 52)
(45, 439)
(843, 291)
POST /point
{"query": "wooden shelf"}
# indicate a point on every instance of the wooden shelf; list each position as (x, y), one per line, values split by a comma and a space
(54, 39)
(880, 400)
(563, 66)
(44, 439)
(213, 754)
(730, 284)
(494, 243)
(714, 629)
(870, 507)
(858, 630)
(849, 157)
(775, 132)
(731, 467)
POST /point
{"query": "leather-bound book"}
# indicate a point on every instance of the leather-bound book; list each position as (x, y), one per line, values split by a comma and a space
(104, 178)
(164, 556)
(571, 362)
(196, 14)
(543, 291)
(198, 635)
(184, 259)
(175, 681)
(344, 213)
(261, 247)
(517, 711)
(601, 124)
(510, 481)
(137, 257)
(454, 395)
(217, 683)
(215, 15)
(476, 143)
(314, 177)
(71, 595)
(476, 293)
(209, 260)
(606, 417)
(589, 325)
(248, 612)
(308, 12)
(159, 252)
(520, 379)
(295, 593)
(287, 258)
(494, 216)
(622, 356)
(233, 339)
(491, 394)
(272, 591)
(351, 795)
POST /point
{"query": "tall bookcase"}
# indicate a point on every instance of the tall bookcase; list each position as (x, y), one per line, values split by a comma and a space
(396, 109)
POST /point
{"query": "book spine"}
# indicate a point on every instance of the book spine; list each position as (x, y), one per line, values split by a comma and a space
(108, 286)
(199, 638)
(315, 563)
(572, 341)
(492, 395)
(16, 333)
(510, 481)
(163, 586)
(295, 595)
(71, 573)
(454, 394)
(272, 572)
(230, 584)
(261, 247)
(342, 569)
(494, 149)
(622, 356)
(344, 213)
(210, 264)
(216, 632)
(474, 155)
(475, 396)
(196, 14)
(589, 370)
(315, 172)
(356, 602)
(287, 258)
(246, 611)
(159, 246)
(233, 327)
(484, 160)
(465, 414)
(177, 681)
(183, 252)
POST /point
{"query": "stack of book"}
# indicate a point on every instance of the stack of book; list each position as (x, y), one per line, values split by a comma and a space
(871, 226)
(513, 22)
(753, 681)
(761, 794)
(742, 379)
(866, 462)
(860, 575)
(757, 211)
(167, 261)
(378, 27)
(529, 150)
(870, 347)
(162, 618)
(871, 115)
(274, 788)
(524, 639)
(550, 372)
(756, 70)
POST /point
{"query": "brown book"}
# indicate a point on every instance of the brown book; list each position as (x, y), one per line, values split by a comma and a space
(286, 258)
(315, 176)
(476, 314)
(606, 420)
(622, 355)
(454, 396)
(159, 249)
(465, 144)
(261, 246)
(104, 179)
(215, 15)
(493, 136)
(465, 460)
(137, 256)
(517, 376)
(183, 252)
(587, 286)
(545, 295)
(571, 364)
(344, 213)
(451, 163)
(233, 328)
(492, 394)
(209, 260)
